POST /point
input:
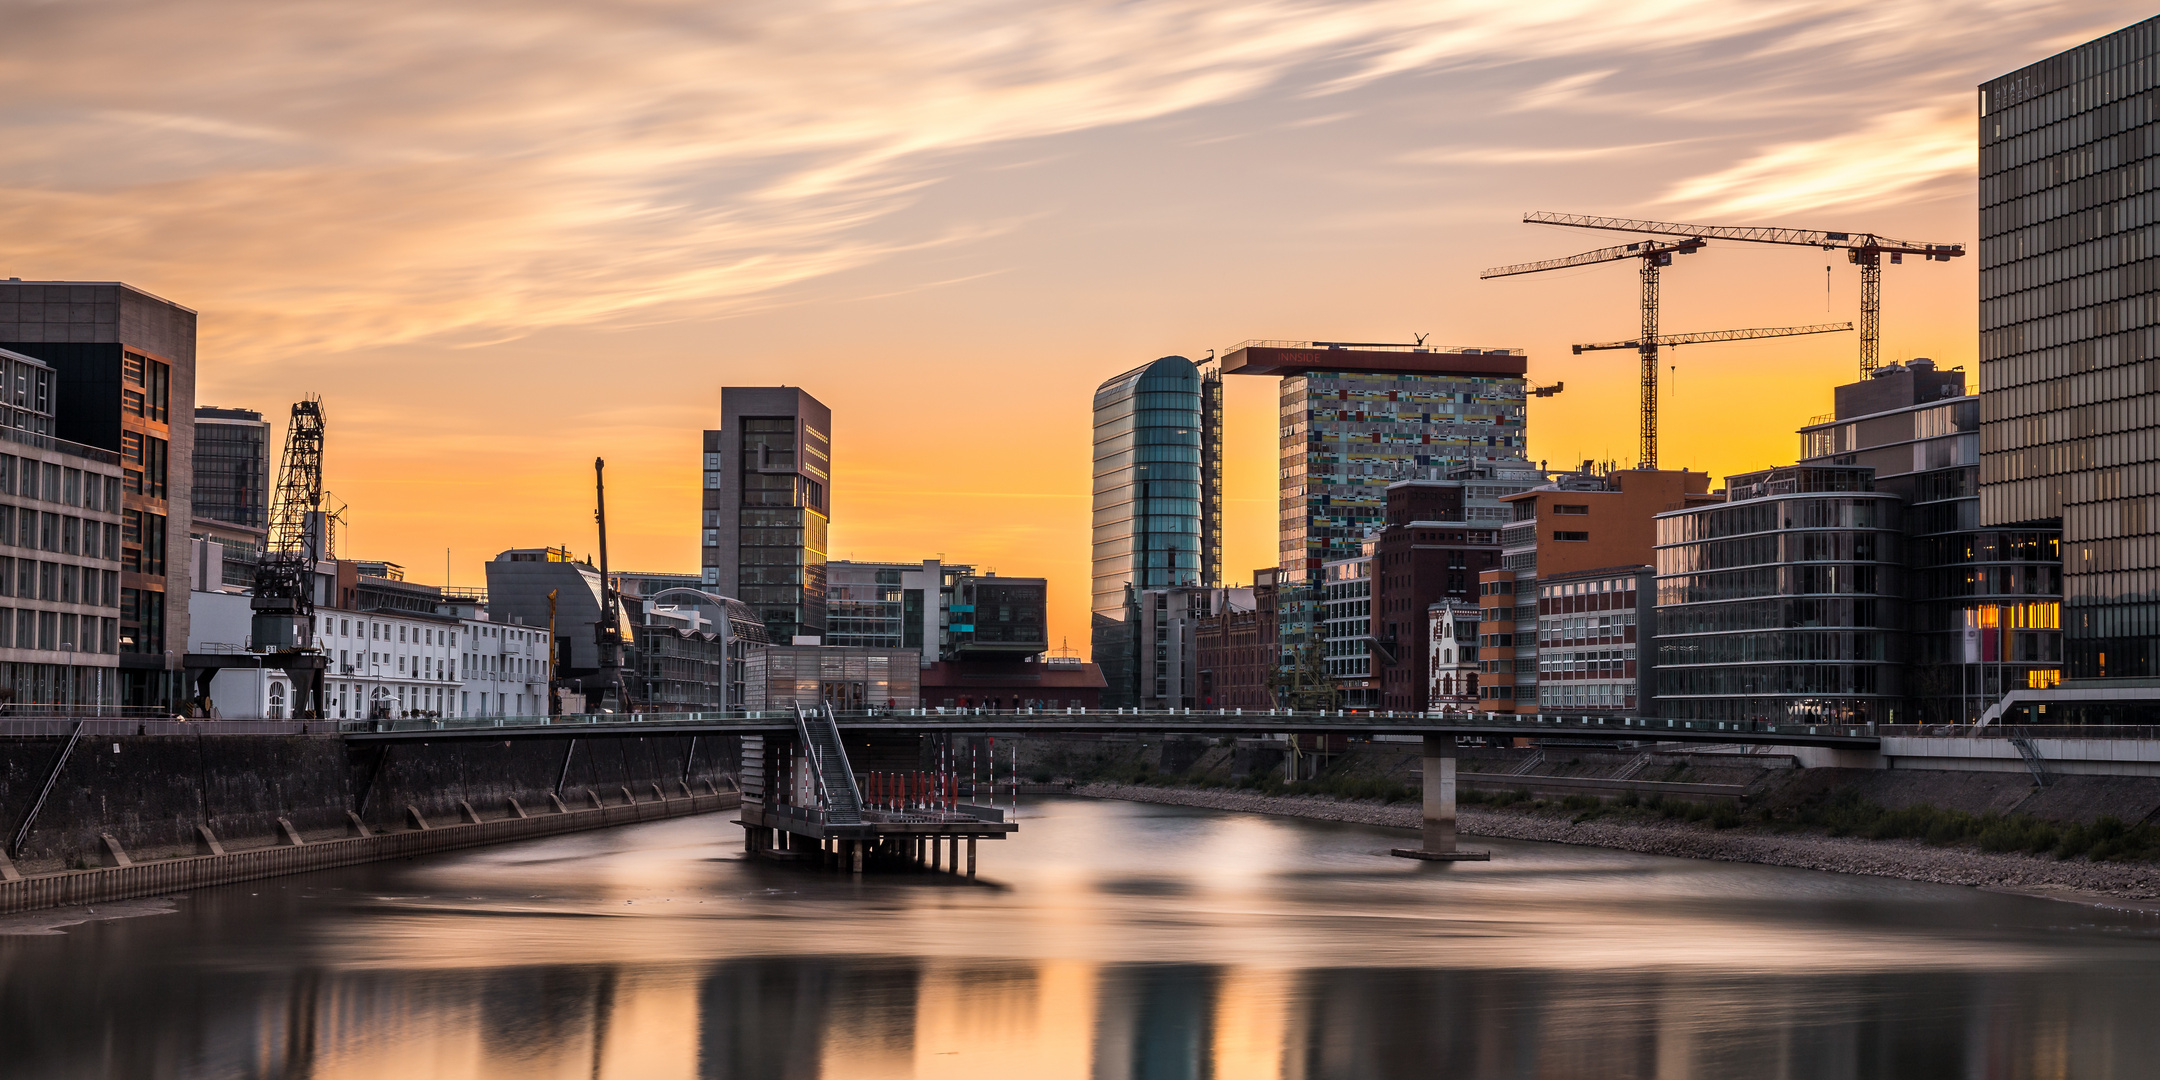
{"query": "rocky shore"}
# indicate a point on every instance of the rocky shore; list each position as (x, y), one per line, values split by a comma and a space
(2110, 884)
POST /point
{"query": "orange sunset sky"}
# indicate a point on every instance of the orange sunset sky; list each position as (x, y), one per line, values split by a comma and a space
(501, 239)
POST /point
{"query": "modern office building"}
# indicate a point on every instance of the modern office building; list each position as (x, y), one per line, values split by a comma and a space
(2069, 336)
(1168, 631)
(850, 678)
(1785, 603)
(124, 362)
(1345, 599)
(1594, 654)
(767, 479)
(232, 468)
(59, 551)
(1156, 504)
(945, 611)
(518, 583)
(1589, 519)
(1983, 606)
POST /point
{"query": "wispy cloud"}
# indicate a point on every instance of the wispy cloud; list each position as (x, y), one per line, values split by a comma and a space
(401, 170)
(1891, 157)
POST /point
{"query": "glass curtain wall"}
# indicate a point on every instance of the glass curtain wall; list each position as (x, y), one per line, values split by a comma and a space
(781, 565)
(1147, 503)
(2069, 332)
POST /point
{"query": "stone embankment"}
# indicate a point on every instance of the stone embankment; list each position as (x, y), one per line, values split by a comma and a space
(1910, 860)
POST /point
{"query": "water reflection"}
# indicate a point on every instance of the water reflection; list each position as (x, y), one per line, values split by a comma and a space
(1120, 943)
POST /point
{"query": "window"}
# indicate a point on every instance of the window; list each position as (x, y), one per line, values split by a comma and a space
(1566, 509)
(1571, 537)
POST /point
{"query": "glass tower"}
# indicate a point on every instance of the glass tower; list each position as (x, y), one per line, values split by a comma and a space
(2069, 332)
(1152, 501)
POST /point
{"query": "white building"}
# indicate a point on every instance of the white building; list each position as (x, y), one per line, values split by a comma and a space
(1452, 629)
(449, 661)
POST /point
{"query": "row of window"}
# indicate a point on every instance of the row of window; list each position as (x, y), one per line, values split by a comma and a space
(2110, 399)
(2001, 371)
(2059, 329)
(60, 583)
(1745, 679)
(1781, 612)
(1585, 628)
(52, 482)
(61, 630)
(2060, 200)
(1594, 664)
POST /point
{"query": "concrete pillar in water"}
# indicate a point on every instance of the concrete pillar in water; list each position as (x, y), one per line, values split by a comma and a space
(1439, 840)
(971, 856)
(855, 852)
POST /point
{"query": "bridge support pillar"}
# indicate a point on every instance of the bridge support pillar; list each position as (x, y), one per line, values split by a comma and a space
(971, 856)
(855, 853)
(1439, 842)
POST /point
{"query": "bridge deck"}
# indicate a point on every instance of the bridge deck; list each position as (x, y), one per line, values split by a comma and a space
(1075, 721)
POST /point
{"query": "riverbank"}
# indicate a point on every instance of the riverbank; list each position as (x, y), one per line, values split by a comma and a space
(1910, 860)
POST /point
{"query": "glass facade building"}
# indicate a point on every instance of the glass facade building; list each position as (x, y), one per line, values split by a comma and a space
(767, 471)
(1983, 606)
(1783, 604)
(232, 467)
(1152, 504)
(2070, 332)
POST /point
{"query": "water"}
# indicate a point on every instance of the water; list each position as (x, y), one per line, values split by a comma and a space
(1109, 940)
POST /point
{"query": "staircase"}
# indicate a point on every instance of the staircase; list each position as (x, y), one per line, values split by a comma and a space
(2032, 759)
(840, 799)
(1634, 767)
(1530, 764)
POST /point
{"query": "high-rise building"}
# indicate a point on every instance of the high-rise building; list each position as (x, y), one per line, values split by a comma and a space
(1358, 417)
(1983, 606)
(768, 473)
(1157, 501)
(2070, 335)
(125, 362)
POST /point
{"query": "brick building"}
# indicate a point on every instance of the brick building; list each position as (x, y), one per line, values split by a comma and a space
(1238, 650)
(1425, 554)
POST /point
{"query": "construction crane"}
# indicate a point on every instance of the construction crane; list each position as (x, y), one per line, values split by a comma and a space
(1670, 340)
(1865, 250)
(1653, 255)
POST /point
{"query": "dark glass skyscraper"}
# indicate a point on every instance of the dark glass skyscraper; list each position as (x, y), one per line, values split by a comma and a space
(2069, 332)
(1155, 493)
(232, 466)
(767, 473)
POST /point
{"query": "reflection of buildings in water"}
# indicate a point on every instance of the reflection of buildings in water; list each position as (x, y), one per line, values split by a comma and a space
(1155, 1022)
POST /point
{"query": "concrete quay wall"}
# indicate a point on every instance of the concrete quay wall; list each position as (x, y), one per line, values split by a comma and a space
(151, 792)
(105, 884)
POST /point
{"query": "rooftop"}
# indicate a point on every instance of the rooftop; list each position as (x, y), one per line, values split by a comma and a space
(1375, 358)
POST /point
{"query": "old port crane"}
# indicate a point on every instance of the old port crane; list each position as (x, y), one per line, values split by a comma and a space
(282, 628)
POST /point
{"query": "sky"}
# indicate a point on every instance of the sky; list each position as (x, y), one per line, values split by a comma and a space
(501, 239)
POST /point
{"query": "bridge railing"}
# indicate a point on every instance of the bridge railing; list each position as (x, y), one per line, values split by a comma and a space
(1349, 720)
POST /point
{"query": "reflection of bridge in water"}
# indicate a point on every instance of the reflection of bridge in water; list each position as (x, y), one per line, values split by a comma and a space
(804, 798)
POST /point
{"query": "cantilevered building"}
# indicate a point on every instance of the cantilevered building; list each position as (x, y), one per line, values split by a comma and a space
(2069, 333)
(1356, 418)
(1157, 501)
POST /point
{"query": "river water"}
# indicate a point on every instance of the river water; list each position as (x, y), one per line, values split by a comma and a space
(1108, 940)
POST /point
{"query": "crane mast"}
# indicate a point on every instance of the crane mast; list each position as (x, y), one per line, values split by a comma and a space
(283, 607)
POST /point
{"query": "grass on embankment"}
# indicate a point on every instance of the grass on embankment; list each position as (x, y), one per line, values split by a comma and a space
(2106, 839)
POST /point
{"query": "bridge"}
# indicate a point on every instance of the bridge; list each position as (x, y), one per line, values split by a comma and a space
(802, 798)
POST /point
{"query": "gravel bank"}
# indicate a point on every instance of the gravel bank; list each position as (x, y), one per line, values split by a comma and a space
(1907, 859)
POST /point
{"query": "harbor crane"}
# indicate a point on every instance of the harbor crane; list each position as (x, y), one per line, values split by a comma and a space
(1865, 250)
(1654, 255)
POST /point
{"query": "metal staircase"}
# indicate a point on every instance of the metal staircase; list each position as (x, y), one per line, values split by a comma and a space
(1634, 767)
(838, 796)
(1530, 764)
(2032, 759)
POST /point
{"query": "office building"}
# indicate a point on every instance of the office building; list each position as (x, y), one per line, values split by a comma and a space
(2069, 333)
(1785, 603)
(232, 469)
(1983, 606)
(1238, 655)
(1157, 503)
(124, 365)
(1593, 641)
(767, 478)
(1049, 682)
(1345, 600)
(851, 679)
(1590, 519)
(59, 551)
(1167, 628)
(518, 583)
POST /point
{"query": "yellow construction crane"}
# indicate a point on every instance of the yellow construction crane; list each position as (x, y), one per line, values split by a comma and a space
(1670, 340)
(1865, 250)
